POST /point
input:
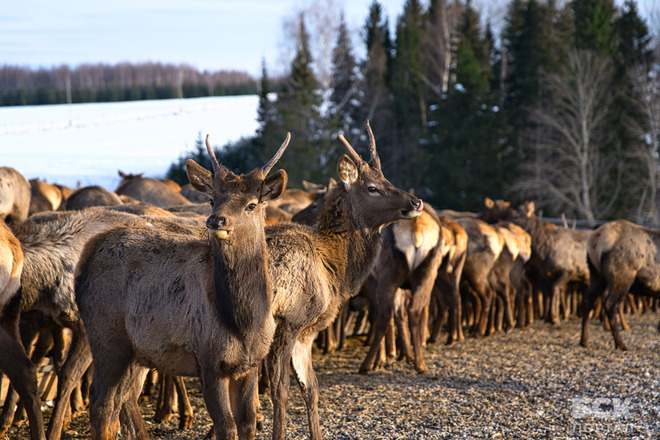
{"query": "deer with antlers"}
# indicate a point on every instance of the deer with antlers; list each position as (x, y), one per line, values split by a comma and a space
(316, 270)
(183, 305)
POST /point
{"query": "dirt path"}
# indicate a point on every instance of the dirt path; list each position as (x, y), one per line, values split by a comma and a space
(536, 383)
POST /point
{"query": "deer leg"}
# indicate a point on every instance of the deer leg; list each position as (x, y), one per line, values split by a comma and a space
(301, 360)
(624, 324)
(243, 392)
(165, 406)
(23, 375)
(595, 290)
(278, 369)
(18, 367)
(401, 319)
(383, 314)
(185, 409)
(215, 388)
(78, 360)
(132, 423)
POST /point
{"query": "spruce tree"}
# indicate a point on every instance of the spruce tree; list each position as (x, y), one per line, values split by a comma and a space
(345, 84)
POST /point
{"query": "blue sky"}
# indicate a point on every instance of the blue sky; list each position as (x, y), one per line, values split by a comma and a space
(207, 34)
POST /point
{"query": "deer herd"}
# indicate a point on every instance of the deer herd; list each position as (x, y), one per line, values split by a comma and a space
(233, 278)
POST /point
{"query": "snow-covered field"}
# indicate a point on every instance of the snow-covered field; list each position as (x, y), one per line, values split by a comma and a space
(88, 143)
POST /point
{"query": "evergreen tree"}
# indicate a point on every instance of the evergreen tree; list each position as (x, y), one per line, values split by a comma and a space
(345, 84)
(467, 152)
(297, 109)
(594, 29)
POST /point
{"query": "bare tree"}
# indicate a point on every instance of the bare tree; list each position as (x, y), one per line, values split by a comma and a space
(569, 167)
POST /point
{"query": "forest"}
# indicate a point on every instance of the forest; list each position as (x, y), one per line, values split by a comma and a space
(558, 103)
(118, 82)
(560, 106)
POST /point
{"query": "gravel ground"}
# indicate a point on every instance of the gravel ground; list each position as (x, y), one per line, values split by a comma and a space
(536, 383)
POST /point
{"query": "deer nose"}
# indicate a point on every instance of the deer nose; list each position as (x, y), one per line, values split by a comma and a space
(418, 204)
(214, 222)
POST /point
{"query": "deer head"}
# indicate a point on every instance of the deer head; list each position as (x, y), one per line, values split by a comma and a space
(238, 201)
(378, 201)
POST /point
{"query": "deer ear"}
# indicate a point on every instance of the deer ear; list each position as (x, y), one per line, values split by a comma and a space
(274, 186)
(199, 177)
(347, 170)
(488, 202)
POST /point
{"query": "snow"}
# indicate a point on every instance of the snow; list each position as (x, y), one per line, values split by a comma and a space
(88, 144)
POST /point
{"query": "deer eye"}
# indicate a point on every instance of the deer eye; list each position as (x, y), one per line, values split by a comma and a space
(251, 207)
(211, 202)
(372, 189)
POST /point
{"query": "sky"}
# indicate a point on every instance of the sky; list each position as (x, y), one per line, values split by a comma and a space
(207, 34)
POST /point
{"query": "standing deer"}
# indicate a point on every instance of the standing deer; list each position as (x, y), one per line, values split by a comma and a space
(316, 270)
(623, 257)
(411, 254)
(14, 361)
(188, 307)
(559, 257)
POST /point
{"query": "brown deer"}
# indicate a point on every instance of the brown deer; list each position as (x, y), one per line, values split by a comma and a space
(146, 189)
(188, 307)
(623, 257)
(52, 243)
(44, 196)
(316, 270)
(446, 290)
(14, 361)
(411, 254)
(14, 196)
(559, 257)
(89, 196)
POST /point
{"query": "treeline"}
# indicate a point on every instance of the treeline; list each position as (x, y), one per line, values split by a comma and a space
(118, 82)
(561, 106)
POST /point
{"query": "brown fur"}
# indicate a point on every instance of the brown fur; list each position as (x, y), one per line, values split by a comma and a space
(315, 271)
(559, 257)
(411, 254)
(44, 196)
(14, 196)
(149, 190)
(186, 306)
(623, 257)
(14, 361)
(89, 196)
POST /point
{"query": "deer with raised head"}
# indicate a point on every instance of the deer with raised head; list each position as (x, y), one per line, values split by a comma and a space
(623, 257)
(316, 270)
(189, 307)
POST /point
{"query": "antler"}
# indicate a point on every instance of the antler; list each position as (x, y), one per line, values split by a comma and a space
(266, 168)
(214, 161)
(350, 149)
(375, 160)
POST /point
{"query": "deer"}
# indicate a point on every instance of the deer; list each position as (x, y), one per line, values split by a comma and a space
(189, 307)
(14, 361)
(623, 257)
(146, 189)
(52, 243)
(14, 196)
(89, 196)
(411, 255)
(44, 196)
(559, 257)
(446, 290)
(316, 270)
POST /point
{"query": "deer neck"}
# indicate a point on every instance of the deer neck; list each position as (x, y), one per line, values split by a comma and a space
(350, 248)
(241, 286)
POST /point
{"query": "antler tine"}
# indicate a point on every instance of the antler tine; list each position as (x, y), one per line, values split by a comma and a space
(214, 161)
(350, 149)
(375, 160)
(266, 168)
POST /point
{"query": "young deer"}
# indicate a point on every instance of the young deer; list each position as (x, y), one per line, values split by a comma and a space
(314, 271)
(188, 307)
